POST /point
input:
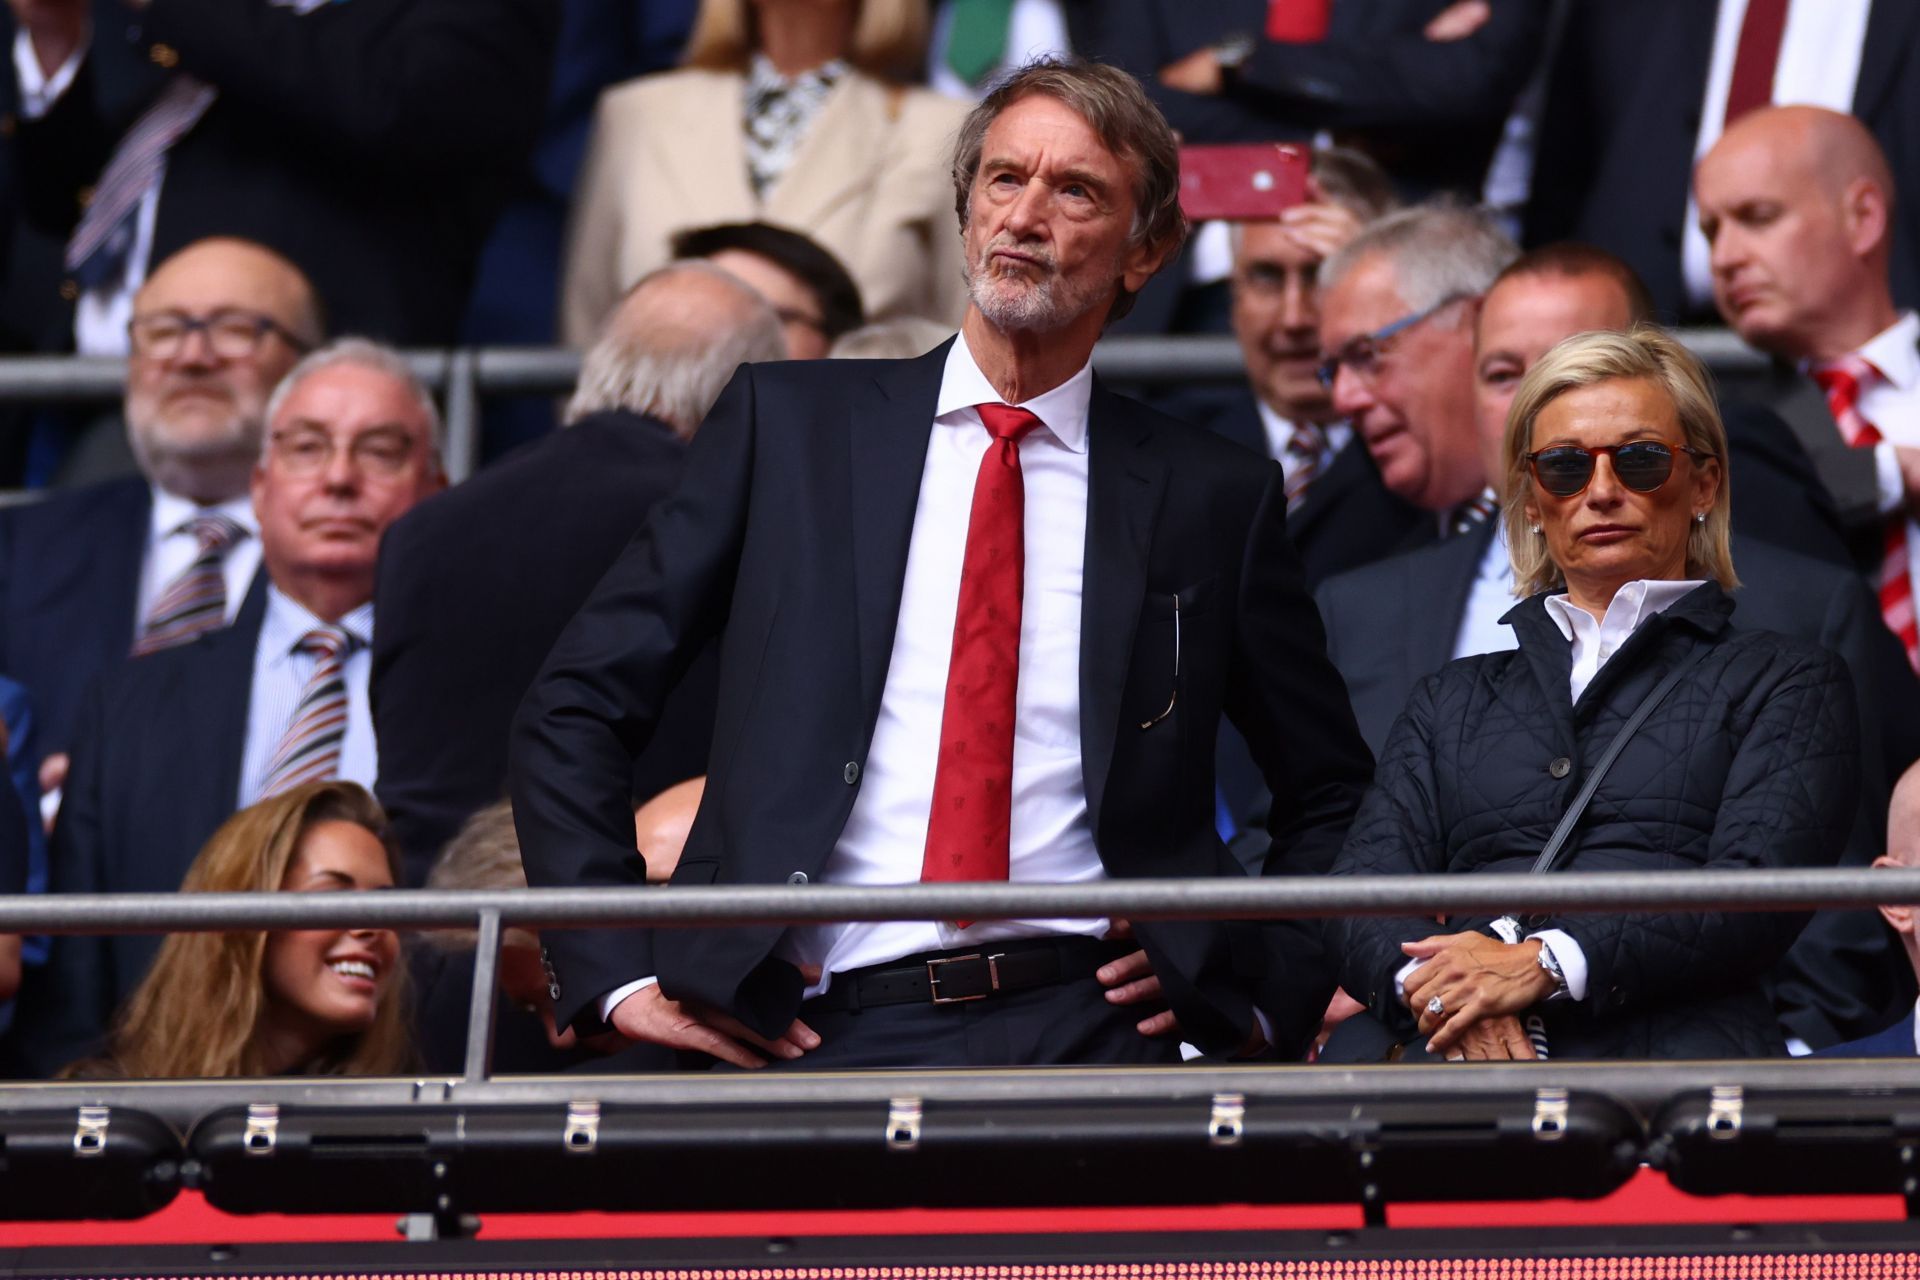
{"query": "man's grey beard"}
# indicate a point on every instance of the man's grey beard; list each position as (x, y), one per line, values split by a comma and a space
(204, 471)
(1014, 305)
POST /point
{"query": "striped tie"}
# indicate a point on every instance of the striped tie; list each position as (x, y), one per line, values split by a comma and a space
(196, 601)
(1307, 450)
(97, 253)
(1843, 380)
(1472, 513)
(309, 751)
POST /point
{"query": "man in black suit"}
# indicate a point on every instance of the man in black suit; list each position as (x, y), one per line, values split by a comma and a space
(1798, 206)
(475, 584)
(1639, 89)
(371, 142)
(1392, 624)
(169, 745)
(84, 573)
(927, 675)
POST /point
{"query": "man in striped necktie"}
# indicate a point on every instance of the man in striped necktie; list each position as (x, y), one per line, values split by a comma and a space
(170, 745)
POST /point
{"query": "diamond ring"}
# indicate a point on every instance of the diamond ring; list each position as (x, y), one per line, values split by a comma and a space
(1435, 1008)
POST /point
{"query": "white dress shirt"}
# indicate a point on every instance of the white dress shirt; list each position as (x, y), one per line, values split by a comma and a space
(1491, 595)
(171, 549)
(100, 314)
(1593, 643)
(1892, 404)
(280, 675)
(885, 836)
(1819, 65)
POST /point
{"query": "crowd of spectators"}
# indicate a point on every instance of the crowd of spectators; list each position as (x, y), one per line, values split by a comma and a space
(1507, 504)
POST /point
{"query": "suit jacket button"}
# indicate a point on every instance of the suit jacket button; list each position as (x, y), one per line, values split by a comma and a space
(1561, 767)
(852, 772)
(798, 877)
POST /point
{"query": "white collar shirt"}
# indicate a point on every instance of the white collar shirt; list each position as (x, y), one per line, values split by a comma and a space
(171, 548)
(1051, 836)
(1596, 641)
(1488, 600)
(1818, 66)
(280, 676)
(1279, 428)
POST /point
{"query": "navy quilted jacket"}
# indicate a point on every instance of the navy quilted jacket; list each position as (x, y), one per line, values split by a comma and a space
(1751, 761)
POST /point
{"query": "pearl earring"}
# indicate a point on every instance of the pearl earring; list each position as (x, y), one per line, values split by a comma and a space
(1536, 528)
(1699, 517)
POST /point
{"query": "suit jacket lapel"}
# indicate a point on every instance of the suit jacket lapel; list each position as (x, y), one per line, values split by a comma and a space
(835, 160)
(1445, 579)
(891, 420)
(228, 696)
(1124, 482)
(1886, 55)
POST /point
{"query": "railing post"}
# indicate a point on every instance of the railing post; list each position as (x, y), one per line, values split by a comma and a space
(463, 414)
(480, 1008)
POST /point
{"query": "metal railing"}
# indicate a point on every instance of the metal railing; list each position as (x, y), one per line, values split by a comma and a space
(693, 906)
(466, 376)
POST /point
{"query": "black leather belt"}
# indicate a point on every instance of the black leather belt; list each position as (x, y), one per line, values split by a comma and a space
(965, 974)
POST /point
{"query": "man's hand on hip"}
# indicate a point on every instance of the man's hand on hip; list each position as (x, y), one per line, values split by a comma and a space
(648, 1015)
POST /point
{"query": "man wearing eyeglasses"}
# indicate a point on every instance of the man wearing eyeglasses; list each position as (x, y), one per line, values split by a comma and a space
(1396, 327)
(136, 564)
(172, 743)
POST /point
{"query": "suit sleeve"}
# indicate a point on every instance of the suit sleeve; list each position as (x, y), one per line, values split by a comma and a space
(434, 85)
(1400, 79)
(1789, 803)
(1846, 971)
(66, 1005)
(1290, 705)
(598, 699)
(411, 787)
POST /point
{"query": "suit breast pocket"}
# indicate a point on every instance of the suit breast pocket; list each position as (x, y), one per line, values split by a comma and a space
(1168, 626)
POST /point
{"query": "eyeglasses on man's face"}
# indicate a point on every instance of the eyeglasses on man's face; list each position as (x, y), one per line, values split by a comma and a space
(1362, 352)
(232, 333)
(1565, 470)
(383, 452)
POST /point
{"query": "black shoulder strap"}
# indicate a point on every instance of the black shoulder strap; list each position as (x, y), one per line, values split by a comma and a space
(1551, 850)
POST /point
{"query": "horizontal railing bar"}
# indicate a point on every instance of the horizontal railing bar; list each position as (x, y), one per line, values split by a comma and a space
(1644, 1086)
(550, 370)
(703, 905)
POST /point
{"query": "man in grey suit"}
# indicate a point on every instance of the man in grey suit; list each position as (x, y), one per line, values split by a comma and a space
(1391, 624)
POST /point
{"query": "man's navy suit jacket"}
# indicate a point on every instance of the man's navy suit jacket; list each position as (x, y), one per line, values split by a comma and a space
(156, 769)
(791, 527)
(69, 582)
(1391, 625)
(1895, 1042)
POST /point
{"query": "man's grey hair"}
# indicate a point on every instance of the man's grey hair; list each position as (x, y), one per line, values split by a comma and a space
(363, 353)
(900, 338)
(484, 855)
(1438, 250)
(671, 359)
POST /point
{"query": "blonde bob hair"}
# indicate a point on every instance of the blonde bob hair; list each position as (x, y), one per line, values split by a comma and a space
(1646, 352)
(889, 37)
(198, 1009)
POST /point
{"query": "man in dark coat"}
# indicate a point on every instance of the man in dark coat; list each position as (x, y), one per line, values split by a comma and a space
(982, 618)
(370, 142)
(475, 584)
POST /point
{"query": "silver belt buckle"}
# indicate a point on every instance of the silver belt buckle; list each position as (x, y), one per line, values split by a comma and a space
(933, 978)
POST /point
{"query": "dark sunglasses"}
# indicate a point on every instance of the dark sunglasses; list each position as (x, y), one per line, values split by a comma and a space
(1642, 465)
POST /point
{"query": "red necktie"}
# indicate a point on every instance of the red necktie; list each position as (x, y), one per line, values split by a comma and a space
(968, 826)
(1755, 58)
(1842, 381)
(1298, 21)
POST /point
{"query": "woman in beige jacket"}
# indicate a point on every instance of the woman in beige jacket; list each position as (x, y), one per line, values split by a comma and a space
(789, 112)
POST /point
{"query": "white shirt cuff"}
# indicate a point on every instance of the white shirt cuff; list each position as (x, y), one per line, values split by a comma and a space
(39, 92)
(1886, 467)
(612, 999)
(1573, 961)
(1400, 978)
